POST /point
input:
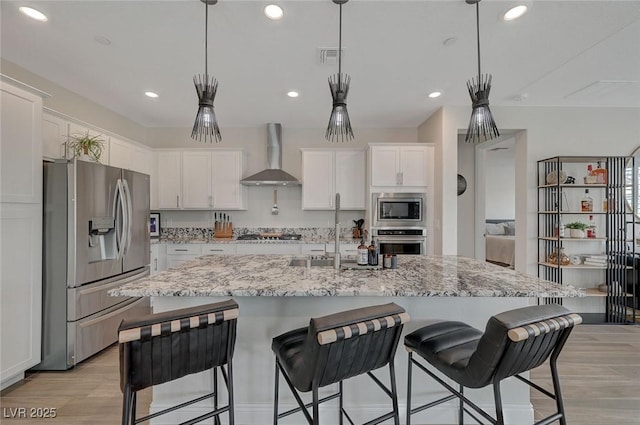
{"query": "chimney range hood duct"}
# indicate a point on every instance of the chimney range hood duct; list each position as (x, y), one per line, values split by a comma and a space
(273, 175)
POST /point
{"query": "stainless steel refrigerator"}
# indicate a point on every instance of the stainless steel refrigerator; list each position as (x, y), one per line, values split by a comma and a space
(95, 238)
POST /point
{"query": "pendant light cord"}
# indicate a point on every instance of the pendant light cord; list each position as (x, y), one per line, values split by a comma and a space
(478, 36)
(340, 52)
(206, 38)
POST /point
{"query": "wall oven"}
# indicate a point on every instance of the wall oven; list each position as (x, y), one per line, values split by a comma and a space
(399, 210)
(401, 241)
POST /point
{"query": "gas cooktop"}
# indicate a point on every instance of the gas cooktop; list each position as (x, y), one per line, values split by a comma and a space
(270, 236)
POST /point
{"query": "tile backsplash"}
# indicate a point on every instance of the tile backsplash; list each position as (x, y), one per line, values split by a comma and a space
(206, 233)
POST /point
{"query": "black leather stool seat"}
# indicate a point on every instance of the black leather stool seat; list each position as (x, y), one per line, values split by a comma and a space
(448, 346)
(337, 347)
(513, 342)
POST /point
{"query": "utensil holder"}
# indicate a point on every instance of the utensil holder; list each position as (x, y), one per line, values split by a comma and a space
(223, 230)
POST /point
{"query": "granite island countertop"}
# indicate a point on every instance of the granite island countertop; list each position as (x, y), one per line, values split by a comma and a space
(271, 276)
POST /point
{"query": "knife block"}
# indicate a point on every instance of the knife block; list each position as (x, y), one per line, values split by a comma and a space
(223, 230)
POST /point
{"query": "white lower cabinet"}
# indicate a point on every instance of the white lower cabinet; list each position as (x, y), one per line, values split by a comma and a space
(268, 248)
(312, 249)
(345, 248)
(219, 248)
(181, 253)
(158, 258)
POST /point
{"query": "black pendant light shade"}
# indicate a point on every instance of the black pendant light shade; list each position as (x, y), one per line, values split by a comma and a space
(482, 127)
(205, 128)
(339, 128)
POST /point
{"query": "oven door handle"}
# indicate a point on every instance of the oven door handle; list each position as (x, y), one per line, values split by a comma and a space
(394, 240)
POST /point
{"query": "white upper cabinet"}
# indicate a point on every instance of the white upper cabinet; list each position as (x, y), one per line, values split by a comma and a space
(401, 165)
(226, 173)
(200, 179)
(123, 154)
(196, 179)
(326, 172)
(169, 179)
(55, 131)
(318, 180)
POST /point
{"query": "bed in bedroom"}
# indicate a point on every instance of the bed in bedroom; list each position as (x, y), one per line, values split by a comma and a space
(500, 241)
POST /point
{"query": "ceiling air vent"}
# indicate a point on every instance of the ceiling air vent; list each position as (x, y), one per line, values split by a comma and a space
(328, 55)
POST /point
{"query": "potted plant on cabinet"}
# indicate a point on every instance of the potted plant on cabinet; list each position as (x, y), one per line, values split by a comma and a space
(576, 229)
(83, 144)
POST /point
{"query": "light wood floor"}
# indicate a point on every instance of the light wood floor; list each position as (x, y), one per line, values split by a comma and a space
(599, 372)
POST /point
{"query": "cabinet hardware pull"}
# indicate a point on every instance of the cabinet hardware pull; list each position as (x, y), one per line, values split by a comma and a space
(216, 250)
(182, 250)
(155, 264)
(177, 201)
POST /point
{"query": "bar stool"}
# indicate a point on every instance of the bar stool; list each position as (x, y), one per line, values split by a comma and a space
(159, 348)
(513, 342)
(336, 347)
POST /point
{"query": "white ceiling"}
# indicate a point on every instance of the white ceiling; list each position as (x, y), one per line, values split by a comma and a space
(394, 54)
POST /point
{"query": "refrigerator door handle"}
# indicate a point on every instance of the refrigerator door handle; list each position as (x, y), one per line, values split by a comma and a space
(129, 214)
(121, 219)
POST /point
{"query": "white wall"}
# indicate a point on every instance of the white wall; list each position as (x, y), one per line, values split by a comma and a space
(466, 201)
(500, 187)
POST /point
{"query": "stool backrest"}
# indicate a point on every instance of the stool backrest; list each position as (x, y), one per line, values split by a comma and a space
(161, 347)
(352, 342)
(519, 340)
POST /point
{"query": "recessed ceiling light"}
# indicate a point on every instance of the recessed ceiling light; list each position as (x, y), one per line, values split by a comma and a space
(293, 93)
(435, 94)
(515, 12)
(151, 94)
(274, 12)
(33, 14)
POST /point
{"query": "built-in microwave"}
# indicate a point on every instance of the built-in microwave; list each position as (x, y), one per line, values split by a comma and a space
(391, 209)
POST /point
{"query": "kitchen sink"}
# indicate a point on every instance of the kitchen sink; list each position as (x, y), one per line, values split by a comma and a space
(317, 262)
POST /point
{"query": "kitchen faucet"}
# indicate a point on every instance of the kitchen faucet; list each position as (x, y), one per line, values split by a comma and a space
(336, 258)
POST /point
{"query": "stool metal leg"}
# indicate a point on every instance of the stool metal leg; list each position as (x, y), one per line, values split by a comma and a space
(215, 395)
(340, 402)
(134, 398)
(556, 389)
(316, 405)
(409, 388)
(461, 409)
(498, 401)
(126, 406)
(275, 395)
(394, 393)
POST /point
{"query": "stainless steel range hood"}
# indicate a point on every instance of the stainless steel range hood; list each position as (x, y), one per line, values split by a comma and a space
(273, 175)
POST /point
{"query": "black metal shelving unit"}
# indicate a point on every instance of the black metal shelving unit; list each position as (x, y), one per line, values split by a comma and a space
(558, 202)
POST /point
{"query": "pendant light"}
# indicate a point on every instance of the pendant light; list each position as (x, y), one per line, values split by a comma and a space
(339, 127)
(482, 127)
(206, 126)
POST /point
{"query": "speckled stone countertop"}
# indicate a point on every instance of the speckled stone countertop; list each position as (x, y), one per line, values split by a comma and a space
(270, 275)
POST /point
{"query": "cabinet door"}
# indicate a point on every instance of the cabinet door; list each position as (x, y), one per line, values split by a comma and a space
(54, 134)
(120, 154)
(414, 165)
(142, 160)
(21, 289)
(268, 248)
(219, 249)
(318, 184)
(169, 172)
(384, 166)
(350, 179)
(21, 145)
(196, 180)
(226, 172)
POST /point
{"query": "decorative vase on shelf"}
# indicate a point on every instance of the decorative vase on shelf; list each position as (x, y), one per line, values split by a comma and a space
(558, 256)
(576, 233)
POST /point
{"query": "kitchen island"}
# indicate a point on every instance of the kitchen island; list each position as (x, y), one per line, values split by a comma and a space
(275, 297)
